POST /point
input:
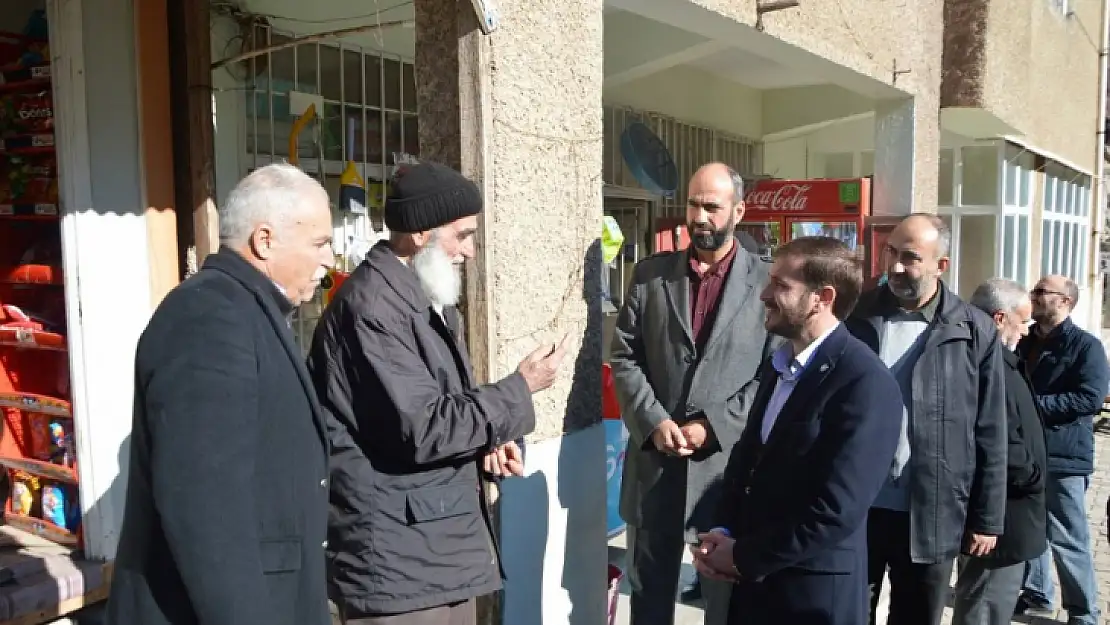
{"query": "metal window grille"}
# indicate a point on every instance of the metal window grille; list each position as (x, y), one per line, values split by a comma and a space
(691, 147)
(368, 116)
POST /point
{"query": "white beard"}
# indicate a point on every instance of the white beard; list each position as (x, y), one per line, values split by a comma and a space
(439, 276)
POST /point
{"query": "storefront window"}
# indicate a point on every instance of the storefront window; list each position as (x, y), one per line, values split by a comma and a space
(979, 176)
(1065, 232)
(946, 178)
(866, 163)
(835, 165)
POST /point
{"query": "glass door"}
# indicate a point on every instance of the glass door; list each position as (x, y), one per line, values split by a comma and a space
(767, 234)
(846, 231)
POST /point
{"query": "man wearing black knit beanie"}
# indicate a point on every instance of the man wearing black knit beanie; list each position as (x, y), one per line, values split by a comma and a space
(412, 435)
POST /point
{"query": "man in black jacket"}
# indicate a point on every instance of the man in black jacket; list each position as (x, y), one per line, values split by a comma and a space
(227, 490)
(1068, 369)
(413, 435)
(946, 490)
(988, 587)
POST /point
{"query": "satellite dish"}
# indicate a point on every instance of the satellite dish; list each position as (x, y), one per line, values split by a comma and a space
(648, 159)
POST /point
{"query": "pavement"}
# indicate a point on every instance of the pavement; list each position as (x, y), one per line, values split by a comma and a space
(1096, 513)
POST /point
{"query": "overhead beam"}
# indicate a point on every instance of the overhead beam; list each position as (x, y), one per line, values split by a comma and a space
(689, 16)
(659, 64)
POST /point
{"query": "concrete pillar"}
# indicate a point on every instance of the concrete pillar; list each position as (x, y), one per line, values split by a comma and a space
(907, 147)
(519, 111)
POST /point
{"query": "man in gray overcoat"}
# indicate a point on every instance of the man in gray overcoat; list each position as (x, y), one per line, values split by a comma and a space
(686, 352)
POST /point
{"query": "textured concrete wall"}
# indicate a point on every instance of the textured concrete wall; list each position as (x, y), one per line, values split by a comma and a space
(520, 111)
(1029, 66)
(898, 42)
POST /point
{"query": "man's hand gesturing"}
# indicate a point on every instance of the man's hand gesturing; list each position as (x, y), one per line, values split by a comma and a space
(541, 366)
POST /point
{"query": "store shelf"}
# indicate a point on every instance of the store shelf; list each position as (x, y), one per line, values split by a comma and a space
(39, 143)
(20, 75)
(27, 338)
(40, 468)
(29, 211)
(41, 404)
(40, 527)
(25, 85)
(30, 274)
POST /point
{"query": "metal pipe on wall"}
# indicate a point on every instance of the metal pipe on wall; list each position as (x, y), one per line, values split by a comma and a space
(1099, 196)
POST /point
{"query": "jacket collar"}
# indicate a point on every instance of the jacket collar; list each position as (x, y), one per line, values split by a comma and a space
(232, 263)
(399, 276)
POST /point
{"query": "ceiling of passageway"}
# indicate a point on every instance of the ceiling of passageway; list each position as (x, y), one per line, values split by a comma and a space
(313, 16)
(637, 47)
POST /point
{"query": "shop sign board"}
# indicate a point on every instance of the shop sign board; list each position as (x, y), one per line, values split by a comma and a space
(838, 197)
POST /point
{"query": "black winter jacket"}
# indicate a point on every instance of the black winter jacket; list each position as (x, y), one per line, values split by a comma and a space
(409, 527)
(1026, 535)
(1070, 378)
(958, 445)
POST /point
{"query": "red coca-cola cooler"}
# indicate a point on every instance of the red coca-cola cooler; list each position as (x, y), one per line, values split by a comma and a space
(780, 210)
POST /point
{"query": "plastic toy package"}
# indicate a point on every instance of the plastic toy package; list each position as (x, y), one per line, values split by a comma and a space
(59, 506)
(25, 493)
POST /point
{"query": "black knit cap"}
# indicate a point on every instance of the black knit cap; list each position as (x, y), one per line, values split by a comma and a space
(426, 196)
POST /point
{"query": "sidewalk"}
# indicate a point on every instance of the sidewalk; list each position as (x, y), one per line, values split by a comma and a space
(1096, 513)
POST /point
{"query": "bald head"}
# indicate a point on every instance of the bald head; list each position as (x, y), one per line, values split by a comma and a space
(916, 253)
(1054, 298)
(714, 205)
(719, 175)
(927, 229)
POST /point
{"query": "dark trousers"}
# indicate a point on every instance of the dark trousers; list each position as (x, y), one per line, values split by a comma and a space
(918, 592)
(463, 613)
(654, 564)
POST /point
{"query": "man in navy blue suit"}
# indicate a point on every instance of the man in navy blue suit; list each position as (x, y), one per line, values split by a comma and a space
(819, 443)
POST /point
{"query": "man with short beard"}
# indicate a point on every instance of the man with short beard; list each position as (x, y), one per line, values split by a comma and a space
(685, 356)
(412, 435)
(792, 534)
(946, 489)
(1068, 369)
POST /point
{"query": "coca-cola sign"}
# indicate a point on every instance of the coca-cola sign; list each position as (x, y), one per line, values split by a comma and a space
(794, 197)
(788, 197)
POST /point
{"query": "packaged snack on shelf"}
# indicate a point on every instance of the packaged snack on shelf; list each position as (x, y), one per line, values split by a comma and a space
(54, 505)
(29, 180)
(61, 442)
(25, 490)
(26, 113)
(40, 437)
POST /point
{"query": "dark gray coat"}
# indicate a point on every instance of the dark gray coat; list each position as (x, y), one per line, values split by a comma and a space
(409, 527)
(658, 374)
(958, 449)
(227, 495)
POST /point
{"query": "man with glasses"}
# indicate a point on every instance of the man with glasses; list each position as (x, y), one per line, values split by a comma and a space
(1070, 375)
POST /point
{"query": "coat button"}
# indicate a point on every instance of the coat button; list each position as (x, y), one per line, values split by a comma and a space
(747, 490)
(324, 483)
(324, 544)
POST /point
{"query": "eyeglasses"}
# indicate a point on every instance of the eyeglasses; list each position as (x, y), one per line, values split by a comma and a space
(1037, 292)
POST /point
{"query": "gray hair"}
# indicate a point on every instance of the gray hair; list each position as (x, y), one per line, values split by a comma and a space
(999, 295)
(1072, 290)
(944, 233)
(737, 185)
(274, 194)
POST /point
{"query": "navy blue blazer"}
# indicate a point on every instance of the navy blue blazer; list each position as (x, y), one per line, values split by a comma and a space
(800, 501)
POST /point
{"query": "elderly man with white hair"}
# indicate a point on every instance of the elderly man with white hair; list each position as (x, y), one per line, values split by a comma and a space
(988, 586)
(226, 512)
(413, 433)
